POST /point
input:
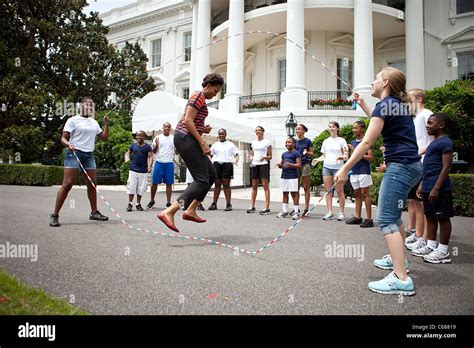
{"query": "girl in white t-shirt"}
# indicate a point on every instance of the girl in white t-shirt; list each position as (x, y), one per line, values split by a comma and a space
(334, 152)
(260, 154)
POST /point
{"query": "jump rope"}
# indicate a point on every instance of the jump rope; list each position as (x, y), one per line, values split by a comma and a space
(202, 239)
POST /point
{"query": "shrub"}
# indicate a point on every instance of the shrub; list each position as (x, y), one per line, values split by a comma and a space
(40, 175)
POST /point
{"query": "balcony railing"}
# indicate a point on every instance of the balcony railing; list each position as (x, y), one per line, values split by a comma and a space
(223, 16)
(329, 100)
(213, 104)
(259, 102)
(398, 4)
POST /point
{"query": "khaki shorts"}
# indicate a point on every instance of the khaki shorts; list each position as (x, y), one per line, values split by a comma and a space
(305, 170)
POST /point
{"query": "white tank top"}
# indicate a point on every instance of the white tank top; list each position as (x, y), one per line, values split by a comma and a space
(165, 153)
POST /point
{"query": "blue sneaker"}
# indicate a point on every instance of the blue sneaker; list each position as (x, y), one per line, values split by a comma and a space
(386, 263)
(391, 285)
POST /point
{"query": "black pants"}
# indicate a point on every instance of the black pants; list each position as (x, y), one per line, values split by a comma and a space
(200, 167)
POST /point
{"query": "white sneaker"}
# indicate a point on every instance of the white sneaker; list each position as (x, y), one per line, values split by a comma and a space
(283, 214)
(421, 252)
(341, 217)
(328, 216)
(409, 231)
(412, 238)
(416, 245)
(437, 256)
(296, 216)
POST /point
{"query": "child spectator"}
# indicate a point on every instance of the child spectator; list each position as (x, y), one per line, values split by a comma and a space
(361, 180)
(290, 163)
(436, 190)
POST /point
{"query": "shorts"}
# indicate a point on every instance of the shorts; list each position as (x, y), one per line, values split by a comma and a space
(224, 170)
(412, 193)
(87, 159)
(163, 173)
(397, 181)
(260, 172)
(305, 170)
(442, 208)
(359, 181)
(137, 183)
(329, 172)
(289, 185)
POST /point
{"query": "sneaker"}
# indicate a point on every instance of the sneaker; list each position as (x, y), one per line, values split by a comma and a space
(437, 256)
(228, 207)
(265, 212)
(201, 207)
(213, 206)
(354, 221)
(139, 207)
(328, 216)
(283, 214)
(98, 216)
(54, 221)
(341, 217)
(391, 285)
(409, 231)
(423, 251)
(420, 242)
(412, 238)
(129, 207)
(306, 212)
(367, 223)
(386, 263)
(296, 216)
(251, 210)
(150, 204)
(167, 204)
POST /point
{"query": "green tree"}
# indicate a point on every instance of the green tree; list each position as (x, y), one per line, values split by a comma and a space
(50, 54)
(456, 98)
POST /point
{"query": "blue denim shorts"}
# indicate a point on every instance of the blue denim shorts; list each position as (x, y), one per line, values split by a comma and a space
(397, 181)
(87, 159)
(329, 172)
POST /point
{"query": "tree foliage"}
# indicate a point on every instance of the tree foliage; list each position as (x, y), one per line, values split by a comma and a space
(51, 53)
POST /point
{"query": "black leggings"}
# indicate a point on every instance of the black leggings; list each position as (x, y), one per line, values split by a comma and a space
(200, 167)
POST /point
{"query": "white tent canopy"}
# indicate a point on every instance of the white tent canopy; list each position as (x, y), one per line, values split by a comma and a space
(159, 107)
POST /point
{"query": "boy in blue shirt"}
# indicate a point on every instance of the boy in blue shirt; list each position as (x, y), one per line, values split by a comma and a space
(141, 154)
(290, 163)
(436, 190)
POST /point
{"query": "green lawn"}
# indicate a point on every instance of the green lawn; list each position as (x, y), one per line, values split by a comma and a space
(17, 298)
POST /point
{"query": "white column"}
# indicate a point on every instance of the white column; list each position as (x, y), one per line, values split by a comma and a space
(203, 38)
(294, 97)
(414, 44)
(235, 58)
(192, 74)
(363, 48)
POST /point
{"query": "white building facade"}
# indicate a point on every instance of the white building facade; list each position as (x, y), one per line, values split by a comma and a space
(267, 77)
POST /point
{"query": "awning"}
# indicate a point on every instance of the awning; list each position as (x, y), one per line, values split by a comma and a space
(159, 107)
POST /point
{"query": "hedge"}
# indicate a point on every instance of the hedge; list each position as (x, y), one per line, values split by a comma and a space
(463, 185)
(40, 175)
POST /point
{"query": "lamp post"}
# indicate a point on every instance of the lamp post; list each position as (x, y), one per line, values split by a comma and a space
(290, 125)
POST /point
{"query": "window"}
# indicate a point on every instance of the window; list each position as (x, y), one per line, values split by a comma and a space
(344, 71)
(185, 93)
(400, 65)
(466, 65)
(282, 74)
(464, 6)
(156, 53)
(187, 46)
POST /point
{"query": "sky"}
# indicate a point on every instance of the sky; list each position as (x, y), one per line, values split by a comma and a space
(102, 6)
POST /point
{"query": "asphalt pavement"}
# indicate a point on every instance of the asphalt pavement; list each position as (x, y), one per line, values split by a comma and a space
(318, 268)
